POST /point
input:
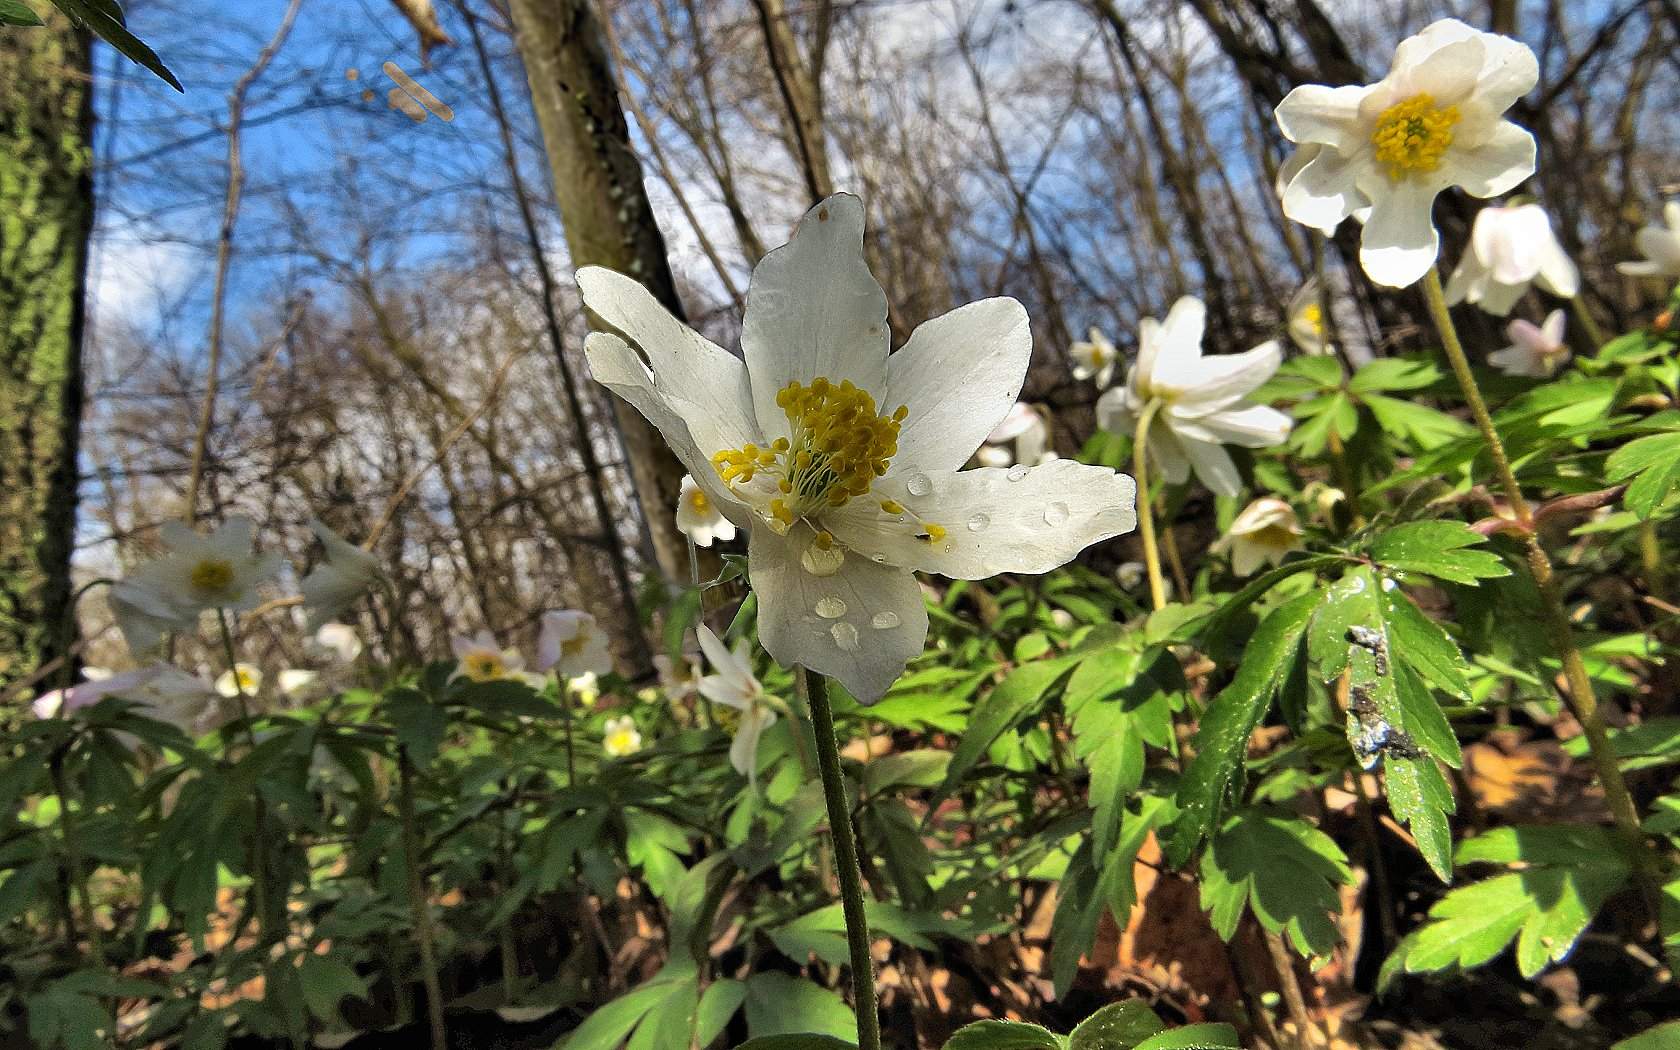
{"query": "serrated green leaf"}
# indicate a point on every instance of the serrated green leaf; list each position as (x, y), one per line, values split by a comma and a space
(1285, 870)
(1439, 549)
(418, 724)
(1654, 464)
(1421, 425)
(1117, 1026)
(1002, 1035)
(1115, 710)
(1212, 1035)
(1422, 643)
(1021, 693)
(1420, 798)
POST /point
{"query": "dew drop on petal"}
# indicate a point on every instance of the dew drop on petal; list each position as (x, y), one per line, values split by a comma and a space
(845, 636)
(918, 484)
(1056, 513)
(884, 621)
(1017, 472)
(830, 608)
(820, 561)
(978, 521)
(878, 558)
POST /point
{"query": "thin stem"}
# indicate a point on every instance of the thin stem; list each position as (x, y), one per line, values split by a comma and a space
(813, 689)
(1584, 317)
(73, 857)
(417, 900)
(566, 724)
(266, 926)
(1145, 510)
(1582, 701)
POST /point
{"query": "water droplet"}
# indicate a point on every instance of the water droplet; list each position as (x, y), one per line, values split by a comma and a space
(830, 608)
(878, 558)
(918, 484)
(822, 562)
(884, 621)
(978, 521)
(845, 636)
(1056, 513)
(1017, 472)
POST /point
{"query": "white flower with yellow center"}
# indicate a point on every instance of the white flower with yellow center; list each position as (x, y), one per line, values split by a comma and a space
(297, 683)
(241, 679)
(1262, 534)
(621, 737)
(1022, 437)
(1660, 244)
(338, 642)
(198, 572)
(1435, 121)
(586, 687)
(844, 463)
(1535, 351)
(571, 643)
(698, 517)
(343, 576)
(1199, 403)
(1094, 357)
(1510, 249)
(163, 691)
(482, 659)
(1308, 327)
(736, 687)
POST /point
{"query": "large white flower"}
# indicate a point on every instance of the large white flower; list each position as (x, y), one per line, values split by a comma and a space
(335, 584)
(198, 572)
(1200, 401)
(698, 517)
(571, 643)
(482, 659)
(1435, 121)
(1095, 358)
(1308, 326)
(1510, 249)
(735, 686)
(1263, 533)
(1660, 244)
(1535, 351)
(1022, 437)
(842, 462)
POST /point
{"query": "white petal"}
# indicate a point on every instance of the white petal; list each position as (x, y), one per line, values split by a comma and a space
(1558, 273)
(743, 751)
(959, 374)
(882, 626)
(719, 690)
(1448, 74)
(1039, 520)
(1115, 412)
(1493, 165)
(1509, 71)
(1167, 455)
(1213, 466)
(1253, 426)
(1313, 113)
(724, 662)
(1661, 247)
(1149, 349)
(814, 309)
(1416, 49)
(1400, 242)
(1180, 342)
(1325, 191)
(1468, 280)
(1212, 383)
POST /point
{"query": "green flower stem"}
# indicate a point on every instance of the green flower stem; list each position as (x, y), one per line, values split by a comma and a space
(73, 857)
(1583, 702)
(1145, 509)
(1584, 317)
(266, 926)
(417, 900)
(814, 690)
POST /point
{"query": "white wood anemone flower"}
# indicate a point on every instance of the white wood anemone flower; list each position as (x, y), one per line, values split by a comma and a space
(570, 643)
(1660, 244)
(198, 572)
(242, 679)
(1308, 327)
(1022, 437)
(1510, 249)
(1436, 120)
(338, 642)
(164, 692)
(735, 686)
(342, 577)
(620, 737)
(1094, 357)
(698, 517)
(1200, 402)
(1536, 351)
(842, 462)
(1262, 534)
(482, 659)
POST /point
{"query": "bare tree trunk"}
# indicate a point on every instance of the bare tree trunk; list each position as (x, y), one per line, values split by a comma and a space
(801, 91)
(604, 207)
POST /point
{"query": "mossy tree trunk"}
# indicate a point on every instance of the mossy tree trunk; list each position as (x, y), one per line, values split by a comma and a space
(46, 217)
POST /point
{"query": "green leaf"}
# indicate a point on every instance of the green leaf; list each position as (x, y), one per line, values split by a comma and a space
(419, 724)
(1002, 1035)
(1212, 1035)
(325, 981)
(1115, 709)
(1654, 464)
(797, 1041)
(670, 1022)
(18, 13)
(1426, 427)
(1422, 643)
(105, 18)
(1117, 1026)
(781, 1005)
(1437, 548)
(1283, 868)
(1394, 373)
(717, 1006)
(609, 1026)
(1222, 738)
(916, 769)
(1021, 693)
(1663, 1037)
(1420, 798)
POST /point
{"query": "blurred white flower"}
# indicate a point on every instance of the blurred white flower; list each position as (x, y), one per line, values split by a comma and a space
(571, 643)
(198, 572)
(1511, 248)
(1660, 244)
(586, 687)
(482, 659)
(845, 496)
(1200, 400)
(1263, 533)
(164, 692)
(698, 517)
(680, 680)
(241, 679)
(1130, 573)
(1095, 357)
(735, 686)
(1308, 326)
(1436, 120)
(335, 584)
(1023, 437)
(621, 737)
(338, 641)
(296, 683)
(1534, 351)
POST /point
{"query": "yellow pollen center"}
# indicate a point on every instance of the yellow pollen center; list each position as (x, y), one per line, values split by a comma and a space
(483, 667)
(1411, 136)
(838, 445)
(700, 502)
(1273, 536)
(1313, 317)
(211, 575)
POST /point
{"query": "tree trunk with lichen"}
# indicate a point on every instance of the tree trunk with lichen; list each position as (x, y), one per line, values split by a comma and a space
(605, 210)
(46, 217)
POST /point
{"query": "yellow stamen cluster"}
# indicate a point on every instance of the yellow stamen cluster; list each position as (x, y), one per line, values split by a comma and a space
(483, 667)
(700, 501)
(1412, 135)
(839, 445)
(211, 574)
(1312, 315)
